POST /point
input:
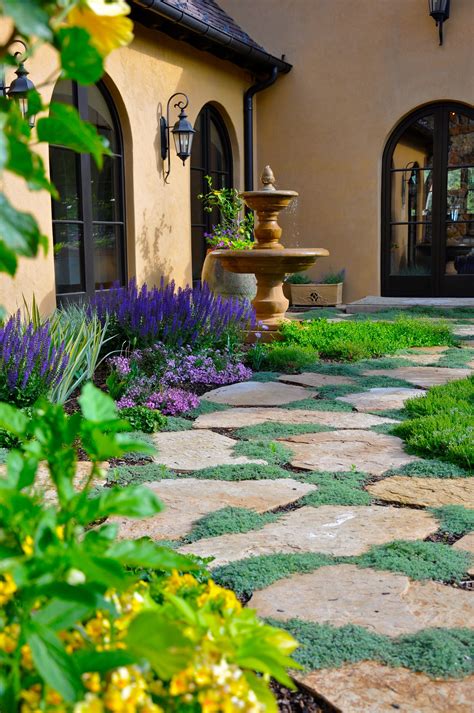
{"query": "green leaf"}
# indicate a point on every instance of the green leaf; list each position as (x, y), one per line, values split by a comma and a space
(3, 140)
(79, 58)
(13, 420)
(145, 553)
(102, 570)
(96, 406)
(62, 613)
(21, 471)
(264, 695)
(19, 235)
(28, 165)
(29, 17)
(159, 641)
(134, 501)
(52, 662)
(102, 661)
(65, 127)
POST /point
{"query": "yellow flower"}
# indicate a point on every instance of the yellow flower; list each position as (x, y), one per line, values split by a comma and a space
(179, 581)
(53, 698)
(27, 546)
(106, 22)
(60, 532)
(92, 682)
(9, 638)
(26, 657)
(90, 704)
(7, 589)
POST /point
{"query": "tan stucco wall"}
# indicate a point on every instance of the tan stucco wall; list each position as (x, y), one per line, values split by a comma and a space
(359, 67)
(141, 78)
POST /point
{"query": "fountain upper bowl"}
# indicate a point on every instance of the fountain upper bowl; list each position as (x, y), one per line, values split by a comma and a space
(267, 261)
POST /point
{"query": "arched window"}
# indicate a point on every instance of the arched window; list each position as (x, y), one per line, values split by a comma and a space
(211, 156)
(88, 218)
(428, 204)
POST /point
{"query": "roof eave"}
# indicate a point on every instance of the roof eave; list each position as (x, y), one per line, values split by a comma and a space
(183, 26)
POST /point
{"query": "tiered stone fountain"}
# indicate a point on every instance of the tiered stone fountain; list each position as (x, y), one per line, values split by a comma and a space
(269, 260)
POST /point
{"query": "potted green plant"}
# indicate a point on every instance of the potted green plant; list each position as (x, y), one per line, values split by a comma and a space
(302, 291)
(233, 232)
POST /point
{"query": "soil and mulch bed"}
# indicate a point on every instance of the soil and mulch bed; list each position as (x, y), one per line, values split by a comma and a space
(299, 700)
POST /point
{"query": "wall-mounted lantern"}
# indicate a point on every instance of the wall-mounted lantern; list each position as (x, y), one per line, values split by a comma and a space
(439, 11)
(183, 132)
(19, 88)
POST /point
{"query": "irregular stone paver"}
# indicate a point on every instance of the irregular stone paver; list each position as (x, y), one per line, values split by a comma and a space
(384, 602)
(239, 417)
(467, 543)
(464, 330)
(256, 393)
(421, 359)
(430, 492)
(381, 399)
(311, 379)
(44, 486)
(332, 529)
(370, 687)
(193, 450)
(342, 450)
(423, 376)
(428, 350)
(190, 499)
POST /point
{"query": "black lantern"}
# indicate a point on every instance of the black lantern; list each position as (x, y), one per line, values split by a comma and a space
(439, 11)
(19, 88)
(182, 131)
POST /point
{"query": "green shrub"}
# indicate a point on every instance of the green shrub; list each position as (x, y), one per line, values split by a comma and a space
(333, 278)
(299, 278)
(357, 340)
(144, 419)
(289, 358)
(454, 397)
(448, 436)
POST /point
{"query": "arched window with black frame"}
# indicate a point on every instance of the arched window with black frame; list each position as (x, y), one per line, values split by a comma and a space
(211, 156)
(428, 204)
(89, 216)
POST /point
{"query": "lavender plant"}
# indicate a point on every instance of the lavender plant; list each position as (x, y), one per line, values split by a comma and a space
(175, 317)
(31, 365)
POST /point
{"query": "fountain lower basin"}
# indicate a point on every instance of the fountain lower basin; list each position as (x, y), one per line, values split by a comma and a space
(270, 267)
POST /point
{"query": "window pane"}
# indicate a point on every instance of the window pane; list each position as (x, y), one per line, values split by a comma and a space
(460, 194)
(101, 117)
(216, 150)
(411, 195)
(106, 190)
(64, 175)
(461, 139)
(410, 250)
(64, 92)
(68, 258)
(416, 145)
(107, 254)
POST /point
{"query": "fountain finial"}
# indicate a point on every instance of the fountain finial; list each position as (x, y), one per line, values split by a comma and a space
(268, 179)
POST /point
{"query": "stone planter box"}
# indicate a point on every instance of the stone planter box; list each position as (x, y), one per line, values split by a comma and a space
(317, 294)
(225, 283)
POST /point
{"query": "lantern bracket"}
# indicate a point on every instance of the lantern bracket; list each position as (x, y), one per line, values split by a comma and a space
(165, 128)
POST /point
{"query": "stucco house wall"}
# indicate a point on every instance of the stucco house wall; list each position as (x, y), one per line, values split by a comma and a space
(358, 69)
(140, 78)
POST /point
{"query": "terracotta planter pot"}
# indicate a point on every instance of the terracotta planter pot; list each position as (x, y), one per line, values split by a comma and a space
(322, 295)
(225, 283)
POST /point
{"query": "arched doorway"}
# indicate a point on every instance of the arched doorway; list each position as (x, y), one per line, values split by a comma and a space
(428, 204)
(89, 217)
(211, 156)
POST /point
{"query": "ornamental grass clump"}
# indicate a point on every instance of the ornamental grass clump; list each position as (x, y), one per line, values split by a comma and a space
(31, 365)
(90, 623)
(176, 317)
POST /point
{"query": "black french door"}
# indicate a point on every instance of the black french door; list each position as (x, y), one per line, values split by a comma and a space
(428, 204)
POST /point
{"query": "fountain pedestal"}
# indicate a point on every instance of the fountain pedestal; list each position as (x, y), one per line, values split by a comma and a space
(268, 259)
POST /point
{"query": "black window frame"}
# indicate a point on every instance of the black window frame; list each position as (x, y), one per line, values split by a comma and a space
(208, 114)
(83, 173)
(438, 284)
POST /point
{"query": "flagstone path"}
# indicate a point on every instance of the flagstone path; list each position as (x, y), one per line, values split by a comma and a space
(329, 577)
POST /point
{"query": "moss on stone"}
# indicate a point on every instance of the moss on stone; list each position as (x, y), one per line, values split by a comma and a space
(456, 358)
(418, 560)
(206, 407)
(344, 488)
(265, 376)
(443, 653)
(247, 575)
(146, 473)
(271, 451)
(229, 520)
(243, 471)
(176, 423)
(454, 519)
(273, 429)
(430, 468)
(319, 405)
